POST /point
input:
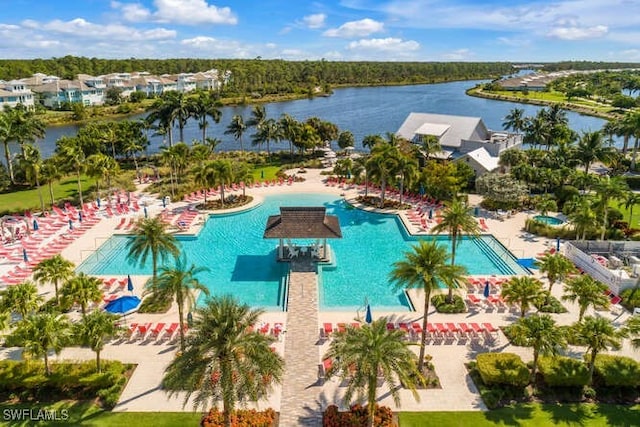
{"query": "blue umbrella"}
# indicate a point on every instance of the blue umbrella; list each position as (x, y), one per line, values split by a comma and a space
(164, 202)
(79, 216)
(129, 283)
(123, 305)
(262, 174)
(35, 225)
(24, 255)
(190, 319)
(430, 213)
(422, 189)
(476, 211)
(98, 201)
(557, 243)
(146, 214)
(70, 225)
(368, 317)
(486, 289)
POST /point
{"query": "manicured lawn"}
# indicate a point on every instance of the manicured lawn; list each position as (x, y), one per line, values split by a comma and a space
(268, 171)
(66, 188)
(635, 219)
(532, 415)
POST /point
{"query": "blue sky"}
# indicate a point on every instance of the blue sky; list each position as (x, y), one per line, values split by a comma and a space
(393, 30)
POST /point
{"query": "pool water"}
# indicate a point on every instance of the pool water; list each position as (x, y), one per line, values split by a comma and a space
(240, 262)
(549, 220)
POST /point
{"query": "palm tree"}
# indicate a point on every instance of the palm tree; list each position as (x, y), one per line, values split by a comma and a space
(524, 291)
(429, 146)
(225, 359)
(371, 141)
(222, 176)
(407, 171)
(383, 165)
(557, 267)
(268, 130)
(290, 129)
(150, 237)
(237, 128)
(631, 199)
(633, 329)
(102, 167)
(541, 333)
(50, 173)
(587, 292)
(598, 334)
(31, 162)
(362, 355)
(608, 188)
(591, 148)
(457, 219)
(515, 120)
(582, 216)
(423, 268)
(132, 146)
(95, 329)
(181, 282)
(22, 298)
(73, 157)
(161, 112)
(6, 135)
(204, 175)
(53, 270)
(82, 289)
(42, 333)
(26, 125)
(631, 126)
(203, 106)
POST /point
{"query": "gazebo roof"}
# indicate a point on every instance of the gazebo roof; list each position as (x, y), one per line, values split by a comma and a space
(301, 223)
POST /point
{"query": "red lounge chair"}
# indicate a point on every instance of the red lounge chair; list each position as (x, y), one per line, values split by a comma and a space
(355, 325)
(431, 330)
(452, 329)
(132, 329)
(143, 330)
(391, 327)
(327, 330)
(264, 329)
(615, 300)
(417, 328)
(465, 329)
(171, 330)
(476, 328)
(489, 328)
(277, 329)
(342, 327)
(155, 332)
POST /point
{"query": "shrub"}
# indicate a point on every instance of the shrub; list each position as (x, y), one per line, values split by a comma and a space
(502, 368)
(241, 418)
(562, 371)
(492, 397)
(357, 416)
(551, 305)
(633, 181)
(630, 298)
(617, 371)
(156, 303)
(442, 306)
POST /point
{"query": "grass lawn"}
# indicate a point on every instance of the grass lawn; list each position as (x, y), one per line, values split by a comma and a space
(532, 415)
(269, 173)
(635, 219)
(66, 188)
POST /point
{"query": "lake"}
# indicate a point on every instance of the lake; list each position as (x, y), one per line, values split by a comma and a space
(363, 111)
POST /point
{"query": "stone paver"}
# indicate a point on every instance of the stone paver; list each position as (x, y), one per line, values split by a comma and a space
(298, 404)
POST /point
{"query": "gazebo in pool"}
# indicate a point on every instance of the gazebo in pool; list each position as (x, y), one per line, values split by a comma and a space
(302, 223)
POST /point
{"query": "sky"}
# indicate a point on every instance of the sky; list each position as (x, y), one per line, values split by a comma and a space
(336, 30)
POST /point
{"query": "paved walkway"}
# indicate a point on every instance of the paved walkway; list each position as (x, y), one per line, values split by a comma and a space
(298, 405)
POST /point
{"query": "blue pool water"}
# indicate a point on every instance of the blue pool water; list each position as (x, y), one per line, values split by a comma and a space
(242, 263)
(550, 220)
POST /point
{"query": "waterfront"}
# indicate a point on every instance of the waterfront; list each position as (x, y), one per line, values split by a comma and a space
(363, 111)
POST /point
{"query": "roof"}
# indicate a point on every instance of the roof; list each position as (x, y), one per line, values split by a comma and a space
(483, 158)
(301, 223)
(459, 128)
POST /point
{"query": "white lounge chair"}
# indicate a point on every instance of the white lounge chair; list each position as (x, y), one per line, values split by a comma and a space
(293, 252)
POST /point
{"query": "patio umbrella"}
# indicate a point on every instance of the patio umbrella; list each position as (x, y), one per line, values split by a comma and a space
(123, 305)
(557, 243)
(430, 213)
(476, 211)
(35, 225)
(262, 174)
(70, 225)
(368, 317)
(98, 201)
(79, 216)
(164, 202)
(486, 289)
(24, 255)
(129, 283)
(190, 319)
(146, 214)
(422, 191)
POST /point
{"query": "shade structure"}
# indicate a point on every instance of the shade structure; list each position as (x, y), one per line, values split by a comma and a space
(486, 289)
(129, 283)
(368, 317)
(123, 305)
(35, 225)
(24, 255)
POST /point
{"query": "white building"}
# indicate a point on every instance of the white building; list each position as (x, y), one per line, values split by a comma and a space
(461, 138)
(15, 92)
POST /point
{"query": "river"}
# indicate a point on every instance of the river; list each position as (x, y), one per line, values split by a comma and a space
(363, 111)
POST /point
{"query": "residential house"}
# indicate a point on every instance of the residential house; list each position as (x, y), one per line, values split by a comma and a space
(15, 92)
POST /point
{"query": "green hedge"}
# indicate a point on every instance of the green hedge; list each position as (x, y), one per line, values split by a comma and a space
(442, 306)
(617, 371)
(67, 380)
(630, 298)
(633, 181)
(551, 305)
(502, 368)
(562, 371)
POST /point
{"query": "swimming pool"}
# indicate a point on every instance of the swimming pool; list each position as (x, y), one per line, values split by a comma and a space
(549, 220)
(242, 263)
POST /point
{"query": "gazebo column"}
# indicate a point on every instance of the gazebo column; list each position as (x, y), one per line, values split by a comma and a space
(280, 249)
(324, 248)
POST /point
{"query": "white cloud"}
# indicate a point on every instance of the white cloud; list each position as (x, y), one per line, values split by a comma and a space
(578, 33)
(85, 29)
(386, 44)
(361, 28)
(458, 55)
(314, 21)
(185, 12)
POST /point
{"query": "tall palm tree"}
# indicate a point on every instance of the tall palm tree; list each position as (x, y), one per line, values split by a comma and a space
(258, 116)
(22, 298)
(82, 289)
(598, 334)
(50, 173)
(524, 291)
(102, 168)
(42, 333)
(131, 147)
(161, 112)
(6, 135)
(150, 237)
(582, 216)
(222, 175)
(54, 270)
(290, 129)
(587, 292)
(424, 267)
(370, 141)
(591, 148)
(608, 188)
(633, 330)
(27, 126)
(631, 126)
(407, 171)
(515, 120)
(457, 220)
(31, 162)
(541, 333)
(204, 175)
(203, 106)
(225, 359)
(181, 282)
(631, 199)
(383, 165)
(237, 128)
(73, 156)
(95, 329)
(268, 130)
(556, 266)
(362, 355)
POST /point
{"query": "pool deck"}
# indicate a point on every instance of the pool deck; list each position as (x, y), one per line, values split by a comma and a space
(300, 346)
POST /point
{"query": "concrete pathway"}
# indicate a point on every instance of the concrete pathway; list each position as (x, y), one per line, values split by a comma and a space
(298, 404)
